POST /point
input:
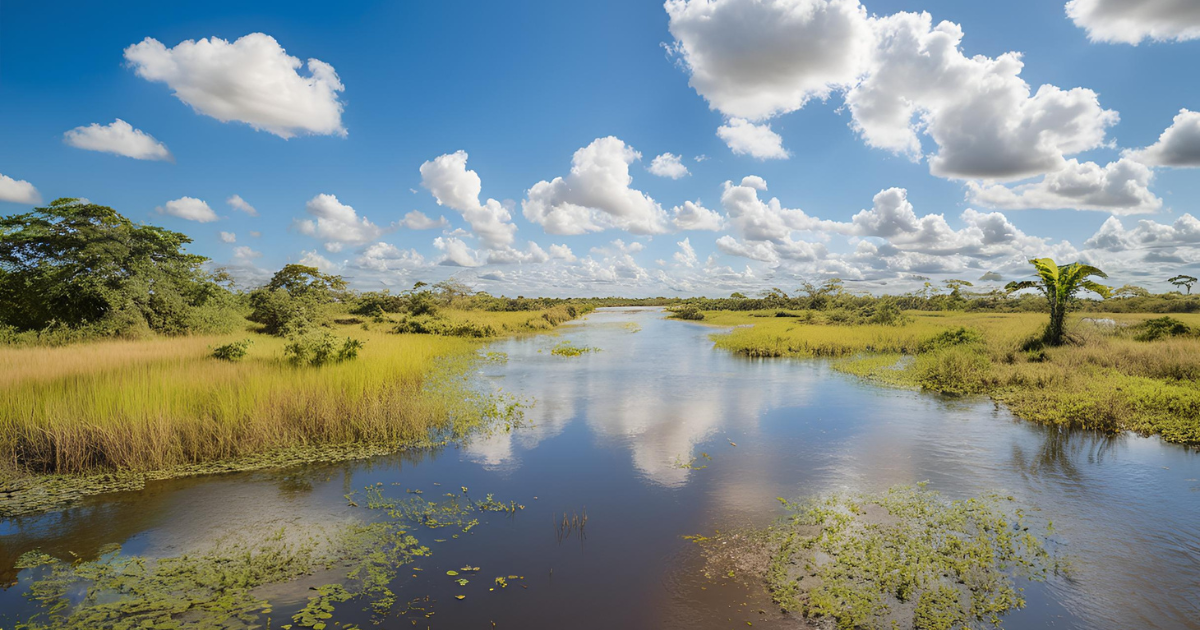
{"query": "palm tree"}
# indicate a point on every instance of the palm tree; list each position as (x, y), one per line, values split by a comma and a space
(1060, 285)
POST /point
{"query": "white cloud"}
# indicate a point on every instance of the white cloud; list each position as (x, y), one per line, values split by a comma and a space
(118, 137)
(596, 195)
(1178, 146)
(510, 255)
(757, 141)
(237, 203)
(455, 252)
(386, 257)
(903, 77)
(978, 110)
(18, 191)
(686, 255)
(693, 216)
(243, 254)
(1113, 236)
(252, 80)
(1131, 21)
(1121, 187)
(188, 208)
(453, 186)
(668, 165)
(313, 259)
(228, 237)
(336, 223)
(562, 252)
(417, 220)
(755, 182)
(756, 59)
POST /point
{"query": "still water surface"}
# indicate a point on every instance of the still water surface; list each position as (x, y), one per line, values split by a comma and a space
(608, 432)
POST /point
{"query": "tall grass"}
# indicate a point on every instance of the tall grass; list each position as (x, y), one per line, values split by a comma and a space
(1104, 379)
(153, 404)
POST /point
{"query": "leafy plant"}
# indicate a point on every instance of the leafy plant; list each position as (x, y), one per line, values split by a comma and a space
(1155, 329)
(320, 349)
(233, 351)
(689, 313)
(1183, 281)
(1060, 285)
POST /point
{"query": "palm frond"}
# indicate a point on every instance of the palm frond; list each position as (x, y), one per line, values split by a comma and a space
(1095, 287)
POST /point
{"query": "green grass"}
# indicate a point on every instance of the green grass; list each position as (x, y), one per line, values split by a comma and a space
(1105, 378)
(161, 403)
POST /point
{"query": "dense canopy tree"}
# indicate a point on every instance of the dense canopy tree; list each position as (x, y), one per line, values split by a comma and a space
(74, 263)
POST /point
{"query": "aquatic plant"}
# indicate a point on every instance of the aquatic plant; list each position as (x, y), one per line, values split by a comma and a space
(567, 349)
(906, 557)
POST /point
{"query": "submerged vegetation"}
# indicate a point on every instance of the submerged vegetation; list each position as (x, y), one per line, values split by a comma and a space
(212, 588)
(905, 558)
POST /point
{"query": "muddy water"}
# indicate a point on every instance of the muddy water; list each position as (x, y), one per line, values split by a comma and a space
(609, 433)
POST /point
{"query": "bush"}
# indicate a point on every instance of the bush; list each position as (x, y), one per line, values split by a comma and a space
(960, 336)
(432, 325)
(954, 370)
(233, 351)
(320, 349)
(689, 313)
(1155, 329)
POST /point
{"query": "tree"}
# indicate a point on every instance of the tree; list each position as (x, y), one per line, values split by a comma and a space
(1060, 285)
(1183, 281)
(1130, 291)
(76, 263)
(956, 287)
(296, 298)
(820, 295)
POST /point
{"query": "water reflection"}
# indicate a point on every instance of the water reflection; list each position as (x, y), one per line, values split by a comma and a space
(607, 433)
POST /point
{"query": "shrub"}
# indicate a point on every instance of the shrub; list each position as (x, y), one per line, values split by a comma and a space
(952, 337)
(320, 349)
(954, 370)
(233, 351)
(1155, 329)
(432, 325)
(689, 313)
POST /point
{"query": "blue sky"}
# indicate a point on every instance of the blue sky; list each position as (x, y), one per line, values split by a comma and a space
(520, 87)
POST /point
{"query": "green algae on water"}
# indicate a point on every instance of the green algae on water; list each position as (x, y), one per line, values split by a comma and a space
(905, 558)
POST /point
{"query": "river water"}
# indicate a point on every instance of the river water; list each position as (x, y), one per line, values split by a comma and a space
(607, 434)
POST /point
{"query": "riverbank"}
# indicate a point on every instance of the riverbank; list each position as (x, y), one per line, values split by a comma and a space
(97, 417)
(1115, 375)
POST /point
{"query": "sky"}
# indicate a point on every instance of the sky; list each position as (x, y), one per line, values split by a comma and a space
(638, 148)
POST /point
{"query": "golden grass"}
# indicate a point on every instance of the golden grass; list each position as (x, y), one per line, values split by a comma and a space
(1103, 380)
(152, 404)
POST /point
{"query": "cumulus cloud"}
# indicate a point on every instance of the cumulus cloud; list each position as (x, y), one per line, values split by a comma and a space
(984, 118)
(228, 237)
(243, 254)
(758, 141)
(1178, 146)
(1113, 236)
(693, 216)
(18, 191)
(1130, 21)
(686, 255)
(668, 165)
(754, 59)
(336, 223)
(596, 195)
(562, 252)
(1121, 187)
(188, 208)
(237, 203)
(252, 80)
(455, 187)
(385, 257)
(903, 78)
(313, 259)
(533, 253)
(118, 137)
(417, 220)
(455, 253)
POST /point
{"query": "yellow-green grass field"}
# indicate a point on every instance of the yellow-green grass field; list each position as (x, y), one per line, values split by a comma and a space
(1103, 379)
(144, 405)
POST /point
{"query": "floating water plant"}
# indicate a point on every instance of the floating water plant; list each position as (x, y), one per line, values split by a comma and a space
(906, 556)
(567, 349)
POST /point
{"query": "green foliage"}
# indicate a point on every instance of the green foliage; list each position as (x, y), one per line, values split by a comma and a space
(1160, 328)
(1060, 285)
(297, 298)
(232, 351)
(957, 336)
(689, 313)
(320, 349)
(1183, 281)
(79, 265)
(434, 325)
(567, 349)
